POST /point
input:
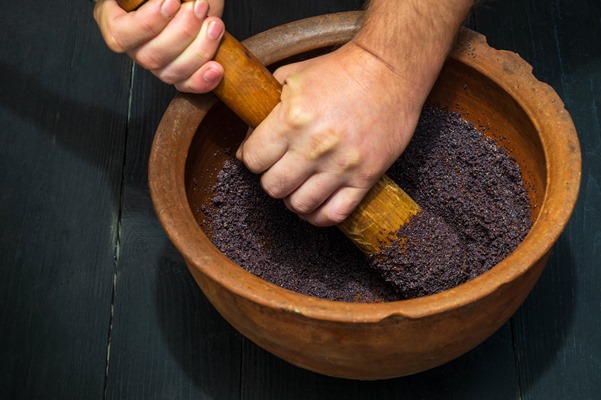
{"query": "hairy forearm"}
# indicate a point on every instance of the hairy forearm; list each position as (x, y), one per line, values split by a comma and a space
(412, 37)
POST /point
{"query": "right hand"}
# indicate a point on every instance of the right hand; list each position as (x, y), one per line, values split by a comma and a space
(176, 42)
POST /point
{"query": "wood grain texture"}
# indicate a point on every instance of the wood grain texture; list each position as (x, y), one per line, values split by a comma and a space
(379, 216)
(63, 113)
(558, 330)
(247, 87)
(166, 339)
(63, 104)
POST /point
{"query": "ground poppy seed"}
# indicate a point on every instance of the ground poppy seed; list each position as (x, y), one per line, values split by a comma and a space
(460, 178)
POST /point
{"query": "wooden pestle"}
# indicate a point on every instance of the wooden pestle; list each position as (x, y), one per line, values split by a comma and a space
(251, 92)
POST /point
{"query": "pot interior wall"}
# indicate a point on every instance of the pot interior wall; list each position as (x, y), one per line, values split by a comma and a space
(498, 115)
(218, 136)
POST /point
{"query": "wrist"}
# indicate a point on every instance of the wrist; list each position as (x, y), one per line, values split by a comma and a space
(412, 37)
(407, 90)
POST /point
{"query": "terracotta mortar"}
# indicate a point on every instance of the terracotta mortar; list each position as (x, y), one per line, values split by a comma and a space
(496, 91)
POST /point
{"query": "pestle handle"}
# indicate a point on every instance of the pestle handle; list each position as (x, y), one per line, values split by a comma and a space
(247, 87)
(251, 92)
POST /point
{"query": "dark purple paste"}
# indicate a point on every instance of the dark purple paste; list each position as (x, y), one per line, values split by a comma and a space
(461, 179)
(428, 257)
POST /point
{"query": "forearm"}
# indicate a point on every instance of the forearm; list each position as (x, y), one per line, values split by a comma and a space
(412, 37)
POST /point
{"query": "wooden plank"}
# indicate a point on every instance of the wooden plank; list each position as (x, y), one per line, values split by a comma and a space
(62, 116)
(63, 131)
(558, 330)
(167, 341)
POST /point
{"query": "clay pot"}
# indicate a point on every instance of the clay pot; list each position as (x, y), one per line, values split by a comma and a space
(493, 89)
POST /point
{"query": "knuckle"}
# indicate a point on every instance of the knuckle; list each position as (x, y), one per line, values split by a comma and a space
(107, 29)
(296, 115)
(188, 31)
(296, 111)
(339, 214)
(348, 160)
(149, 28)
(170, 74)
(368, 177)
(115, 42)
(302, 206)
(203, 55)
(193, 85)
(336, 218)
(188, 27)
(274, 188)
(150, 60)
(251, 160)
(167, 77)
(183, 87)
(322, 144)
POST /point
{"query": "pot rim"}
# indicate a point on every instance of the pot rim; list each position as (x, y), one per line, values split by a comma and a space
(506, 69)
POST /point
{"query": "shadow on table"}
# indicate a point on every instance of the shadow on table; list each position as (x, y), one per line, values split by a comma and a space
(62, 118)
(206, 348)
(543, 323)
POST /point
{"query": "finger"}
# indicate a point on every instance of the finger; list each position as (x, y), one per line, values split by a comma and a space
(265, 146)
(205, 79)
(337, 207)
(239, 151)
(312, 193)
(196, 54)
(173, 40)
(286, 175)
(123, 31)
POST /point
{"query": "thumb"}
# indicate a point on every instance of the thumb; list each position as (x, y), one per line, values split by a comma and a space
(124, 31)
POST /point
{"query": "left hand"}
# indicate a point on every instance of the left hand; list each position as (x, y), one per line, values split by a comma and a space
(175, 41)
(343, 119)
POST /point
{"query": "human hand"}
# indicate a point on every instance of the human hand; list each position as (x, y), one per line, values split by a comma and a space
(174, 41)
(343, 119)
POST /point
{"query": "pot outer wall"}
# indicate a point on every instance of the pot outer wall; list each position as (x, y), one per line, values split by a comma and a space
(350, 340)
(393, 347)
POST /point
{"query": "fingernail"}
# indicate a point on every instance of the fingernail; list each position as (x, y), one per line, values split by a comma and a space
(211, 75)
(239, 153)
(215, 30)
(201, 8)
(169, 7)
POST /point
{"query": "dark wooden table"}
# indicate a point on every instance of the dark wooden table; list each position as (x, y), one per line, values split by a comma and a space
(96, 303)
